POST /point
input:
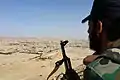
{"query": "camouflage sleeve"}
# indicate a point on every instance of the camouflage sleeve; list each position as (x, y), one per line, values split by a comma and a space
(91, 75)
(102, 69)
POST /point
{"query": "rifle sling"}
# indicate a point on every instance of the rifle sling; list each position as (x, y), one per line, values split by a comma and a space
(57, 65)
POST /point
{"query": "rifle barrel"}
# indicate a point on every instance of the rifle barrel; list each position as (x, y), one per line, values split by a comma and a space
(67, 62)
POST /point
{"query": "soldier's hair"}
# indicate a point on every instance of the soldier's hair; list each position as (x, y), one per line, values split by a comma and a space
(112, 28)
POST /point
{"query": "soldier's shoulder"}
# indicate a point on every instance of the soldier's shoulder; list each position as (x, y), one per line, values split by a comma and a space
(105, 67)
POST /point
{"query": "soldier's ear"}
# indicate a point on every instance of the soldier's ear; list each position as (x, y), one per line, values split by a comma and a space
(99, 27)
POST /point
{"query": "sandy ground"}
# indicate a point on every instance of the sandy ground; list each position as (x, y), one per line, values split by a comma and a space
(18, 62)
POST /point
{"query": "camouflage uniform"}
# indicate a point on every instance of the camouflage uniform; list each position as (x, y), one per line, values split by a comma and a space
(104, 68)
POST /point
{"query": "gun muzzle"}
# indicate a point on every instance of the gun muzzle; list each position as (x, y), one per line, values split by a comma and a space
(63, 43)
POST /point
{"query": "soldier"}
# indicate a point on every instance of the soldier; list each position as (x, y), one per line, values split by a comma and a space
(104, 36)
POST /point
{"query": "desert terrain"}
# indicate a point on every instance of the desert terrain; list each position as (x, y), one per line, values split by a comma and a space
(34, 58)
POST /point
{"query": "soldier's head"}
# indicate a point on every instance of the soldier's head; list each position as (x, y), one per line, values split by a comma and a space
(104, 23)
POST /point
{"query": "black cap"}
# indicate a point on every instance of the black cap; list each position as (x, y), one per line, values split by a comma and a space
(104, 8)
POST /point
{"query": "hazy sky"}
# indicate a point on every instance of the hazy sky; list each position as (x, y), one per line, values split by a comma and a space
(44, 18)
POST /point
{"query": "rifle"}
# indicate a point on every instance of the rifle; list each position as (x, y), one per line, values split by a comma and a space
(70, 73)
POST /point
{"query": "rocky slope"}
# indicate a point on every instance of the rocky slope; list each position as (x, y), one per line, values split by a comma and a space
(34, 58)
